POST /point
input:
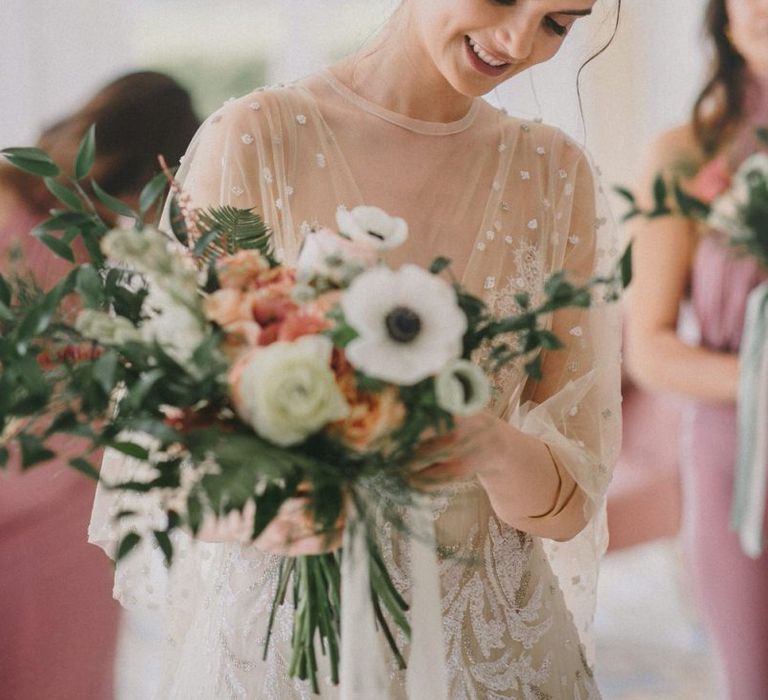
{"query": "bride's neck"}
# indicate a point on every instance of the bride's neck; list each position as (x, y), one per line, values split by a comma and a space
(398, 74)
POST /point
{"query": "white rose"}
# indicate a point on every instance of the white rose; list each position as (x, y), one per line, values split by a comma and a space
(287, 391)
(462, 389)
(373, 227)
(106, 329)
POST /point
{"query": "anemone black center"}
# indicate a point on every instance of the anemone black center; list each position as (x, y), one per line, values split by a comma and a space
(403, 324)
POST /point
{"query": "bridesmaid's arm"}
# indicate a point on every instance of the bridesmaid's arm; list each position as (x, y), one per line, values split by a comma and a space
(663, 251)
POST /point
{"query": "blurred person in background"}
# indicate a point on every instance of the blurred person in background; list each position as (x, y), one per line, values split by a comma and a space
(675, 259)
(58, 621)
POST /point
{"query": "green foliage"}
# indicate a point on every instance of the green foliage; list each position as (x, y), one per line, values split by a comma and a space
(31, 160)
(65, 195)
(229, 229)
(86, 154)
(152, 192)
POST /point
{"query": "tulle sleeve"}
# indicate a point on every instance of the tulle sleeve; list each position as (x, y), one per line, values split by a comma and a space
(575, 408)
(238, 158)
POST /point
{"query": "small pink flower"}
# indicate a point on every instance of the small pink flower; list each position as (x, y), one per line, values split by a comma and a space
(712, 180)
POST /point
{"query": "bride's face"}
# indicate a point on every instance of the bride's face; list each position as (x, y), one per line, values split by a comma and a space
(748, 22)
(477, 44)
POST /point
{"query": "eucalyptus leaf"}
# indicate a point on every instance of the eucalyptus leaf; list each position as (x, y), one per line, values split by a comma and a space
(105, 370)
(33, 451)
(625, 266)
(32, 160)
(90, 287)
(59, 247)
(5, 291)
(625, 193)
(130, 449)
(113, 203)
(164, 542)
(126, 546)
(439, 264)
(64, 194)
(86, 154)
(84, 467)
(152, 190)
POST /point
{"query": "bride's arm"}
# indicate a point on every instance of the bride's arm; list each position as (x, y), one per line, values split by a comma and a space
(663, 252)
(547, 462)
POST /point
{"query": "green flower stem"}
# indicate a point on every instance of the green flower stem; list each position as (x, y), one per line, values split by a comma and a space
(316, 584)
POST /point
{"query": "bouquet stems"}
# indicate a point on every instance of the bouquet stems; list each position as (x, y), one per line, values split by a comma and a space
(316, 589)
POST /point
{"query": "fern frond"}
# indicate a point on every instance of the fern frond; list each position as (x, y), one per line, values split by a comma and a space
(225, 230)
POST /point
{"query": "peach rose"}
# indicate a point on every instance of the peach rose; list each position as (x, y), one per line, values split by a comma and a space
(241, 270)
(371, 417)
(299, 324)
(231, 309)
(712, 180)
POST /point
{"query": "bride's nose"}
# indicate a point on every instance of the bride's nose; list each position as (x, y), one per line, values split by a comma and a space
(517, 39)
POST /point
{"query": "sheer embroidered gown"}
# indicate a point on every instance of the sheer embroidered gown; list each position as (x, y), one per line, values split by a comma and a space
(509, 202)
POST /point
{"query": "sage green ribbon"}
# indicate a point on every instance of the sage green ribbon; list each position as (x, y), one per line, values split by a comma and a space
(749, 493)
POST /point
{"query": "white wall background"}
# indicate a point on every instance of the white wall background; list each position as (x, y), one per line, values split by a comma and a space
(54, 53)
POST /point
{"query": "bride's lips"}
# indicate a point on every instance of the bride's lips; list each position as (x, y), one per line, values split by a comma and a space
(480, 65)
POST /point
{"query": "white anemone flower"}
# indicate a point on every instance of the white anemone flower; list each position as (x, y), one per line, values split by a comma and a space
(409, 324)
(462, 389)
(373, 227)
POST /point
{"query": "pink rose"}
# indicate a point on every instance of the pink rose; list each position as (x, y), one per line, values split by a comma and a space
(712, 180)
(320, 246)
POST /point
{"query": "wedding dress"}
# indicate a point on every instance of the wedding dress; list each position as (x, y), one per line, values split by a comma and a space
(509, 201)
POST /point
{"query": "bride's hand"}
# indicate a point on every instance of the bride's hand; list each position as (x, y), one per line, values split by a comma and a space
(291, 532)
(294, 533)
(474, 447)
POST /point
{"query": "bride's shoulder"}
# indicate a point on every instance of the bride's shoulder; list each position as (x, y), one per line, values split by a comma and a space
(263, 108)
(543, 144)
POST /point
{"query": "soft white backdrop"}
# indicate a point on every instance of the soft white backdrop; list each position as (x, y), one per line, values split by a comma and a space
(52, 54)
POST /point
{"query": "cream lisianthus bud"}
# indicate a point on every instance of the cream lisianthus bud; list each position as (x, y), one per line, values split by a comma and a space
(106, 329)
(287, 391)
(462, 389)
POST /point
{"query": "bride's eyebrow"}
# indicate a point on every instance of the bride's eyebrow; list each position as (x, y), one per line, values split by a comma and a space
(575, 13)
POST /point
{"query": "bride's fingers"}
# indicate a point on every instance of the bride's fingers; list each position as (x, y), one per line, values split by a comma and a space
(437, 475)
(316, 544)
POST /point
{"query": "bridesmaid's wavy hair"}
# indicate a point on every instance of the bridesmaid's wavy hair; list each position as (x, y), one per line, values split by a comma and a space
(138, 116)
(718, 107)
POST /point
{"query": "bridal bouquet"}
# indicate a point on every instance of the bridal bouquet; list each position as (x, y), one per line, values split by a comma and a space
(237, 382)
(736, 204)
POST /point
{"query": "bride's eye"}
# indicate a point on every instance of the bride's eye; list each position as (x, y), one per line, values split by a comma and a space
(556, 27)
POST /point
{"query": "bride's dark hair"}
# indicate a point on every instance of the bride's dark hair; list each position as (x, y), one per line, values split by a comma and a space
(718, 107)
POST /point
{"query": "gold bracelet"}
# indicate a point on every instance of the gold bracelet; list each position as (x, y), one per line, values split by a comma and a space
(553, 509)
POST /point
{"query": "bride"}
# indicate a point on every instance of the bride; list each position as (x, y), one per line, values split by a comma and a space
(401, 126)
